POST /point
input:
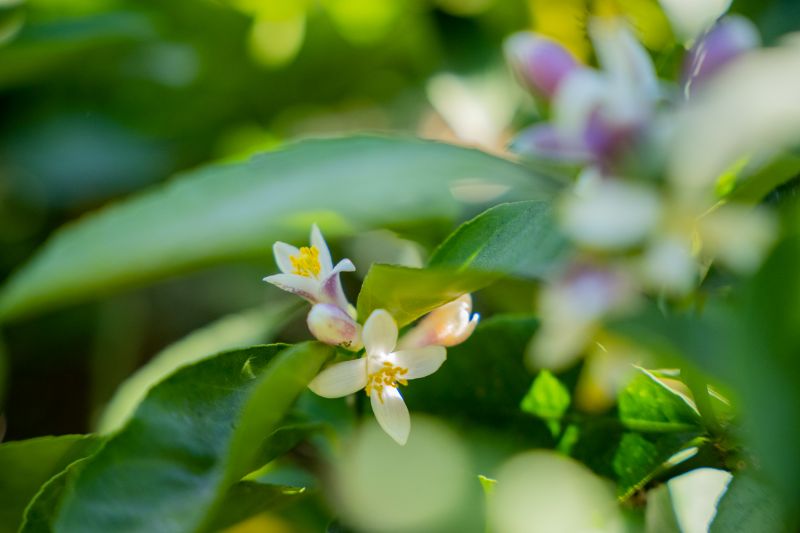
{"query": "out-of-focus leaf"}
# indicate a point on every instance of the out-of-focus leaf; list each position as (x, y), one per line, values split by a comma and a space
(518, 238)
(648, 405)
(225, 212)
(756, 186)
(548, 399)
(193, 437)
(248, 498)
(42, 510)
(3, 378)
(408, 293)
(41, 48)
(749, 506)
(26, 465)
(234, 331)
(659, 514)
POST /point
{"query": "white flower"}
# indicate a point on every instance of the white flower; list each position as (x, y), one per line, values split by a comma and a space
(380, 372)
(447, 325)
(309, 272)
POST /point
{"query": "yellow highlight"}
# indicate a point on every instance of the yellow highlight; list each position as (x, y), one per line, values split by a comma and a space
(387, 376)
(306, 264)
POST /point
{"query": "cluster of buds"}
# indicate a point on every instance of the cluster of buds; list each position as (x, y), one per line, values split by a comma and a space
(635, 229)
(387, 362)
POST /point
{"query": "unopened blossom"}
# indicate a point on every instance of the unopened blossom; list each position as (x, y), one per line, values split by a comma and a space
(309, 272)
(539, 62)
(380, 372)
(729, 38)
(332, 325)
(447, 325)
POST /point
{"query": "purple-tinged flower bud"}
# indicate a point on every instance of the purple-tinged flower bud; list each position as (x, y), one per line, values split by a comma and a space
(539, 62)
(727, 39)
(448, 325)
(332, 325)
(546, 141)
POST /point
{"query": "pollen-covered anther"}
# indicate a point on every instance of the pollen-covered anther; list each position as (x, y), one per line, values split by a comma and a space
(387, 376)
(306, 263)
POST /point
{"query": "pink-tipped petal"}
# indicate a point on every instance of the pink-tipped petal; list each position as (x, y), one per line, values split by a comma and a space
(301, 286)
(332, 325)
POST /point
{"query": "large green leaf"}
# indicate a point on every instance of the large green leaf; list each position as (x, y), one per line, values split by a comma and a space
(647, 405)
(518, 238)
(27, 465)
(233, 331)
(193, 437)
(408, 293)
(749, 506)
(224, 212)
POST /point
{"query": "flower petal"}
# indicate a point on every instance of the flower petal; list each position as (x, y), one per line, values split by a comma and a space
(380, 333)
(341, 379)
(391, 413)
(420, 362)
(322, 247)
(283, 252)
(307, 288)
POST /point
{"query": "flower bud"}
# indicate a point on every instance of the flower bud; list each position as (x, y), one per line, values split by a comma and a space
(447, 325)
(726, 40)
(332, 325)
(539, 62)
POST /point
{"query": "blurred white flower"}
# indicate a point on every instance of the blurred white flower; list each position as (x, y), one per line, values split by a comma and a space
(738, 236)
(690, 18)
(309, 272)
(610, 364)
(380, 372)
(542, 491)
(447, 325)
(332, 325)
(668, 264)
(571, 310)
(610, 214)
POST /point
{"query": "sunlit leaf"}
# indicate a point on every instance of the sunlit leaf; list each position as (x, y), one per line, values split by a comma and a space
(194, 436)
(519, 238)
(27, 465)
(409, 293)
(225, 212)
(646, 404)
(548, 399)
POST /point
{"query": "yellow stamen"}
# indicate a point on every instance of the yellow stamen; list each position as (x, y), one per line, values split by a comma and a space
(387, 376)
(306, 263)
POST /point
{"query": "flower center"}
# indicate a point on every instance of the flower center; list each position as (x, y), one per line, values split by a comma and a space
(306, 263)
(387, 376)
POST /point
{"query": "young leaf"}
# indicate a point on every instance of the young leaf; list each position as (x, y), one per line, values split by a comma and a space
(27, 465)
(648, 405)
(519, 238)
(233, 331)
(408, 293)
(547, 399)
(224, 212)
(193, 437)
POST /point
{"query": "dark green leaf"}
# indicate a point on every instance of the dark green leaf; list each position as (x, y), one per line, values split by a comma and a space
(232, 211)
(640, 457)
(648, 405)
(408, 293)
(518, 238)
(41, 512)
(194, 436)
(248, 498)
(27, 465)
(749, 506)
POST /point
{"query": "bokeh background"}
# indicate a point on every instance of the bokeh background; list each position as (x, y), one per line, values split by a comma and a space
(103, 98)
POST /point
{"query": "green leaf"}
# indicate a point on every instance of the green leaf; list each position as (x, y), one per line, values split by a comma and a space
(547, 399)
(408, 293)
(233, 331)
(648, 405)
(753, 188)
(248, 498)
(749, 506)
(41, 512)
(517, 238)
(26, 465)
(226, 212)
(193, 437)
(484, 379)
